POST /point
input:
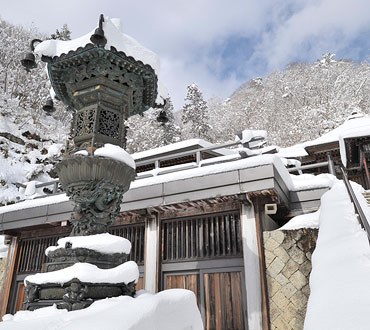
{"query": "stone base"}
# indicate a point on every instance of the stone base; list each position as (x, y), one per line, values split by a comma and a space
(74, 294)
(65, 257)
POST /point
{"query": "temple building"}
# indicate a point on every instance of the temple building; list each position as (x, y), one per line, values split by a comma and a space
(206, 218)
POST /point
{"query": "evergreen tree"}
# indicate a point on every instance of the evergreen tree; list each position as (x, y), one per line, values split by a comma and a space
(171, 131)
(195, 115)
(63, 34)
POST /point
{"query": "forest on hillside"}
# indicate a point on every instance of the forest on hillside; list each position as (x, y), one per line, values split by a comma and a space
(293, 105)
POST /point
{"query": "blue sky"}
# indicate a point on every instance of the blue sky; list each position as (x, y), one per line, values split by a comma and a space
(218, 44)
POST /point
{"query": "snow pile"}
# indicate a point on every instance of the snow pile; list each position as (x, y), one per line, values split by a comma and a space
(117, 153)
(339, 281)
(174, 309)
(124, 273)
(310, 181)
(309, 220)
(297, 150)
(103, 243)
(252, 138)
(3, 248)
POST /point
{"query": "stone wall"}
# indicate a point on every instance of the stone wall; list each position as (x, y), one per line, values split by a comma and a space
(288, 266)
(2, 269)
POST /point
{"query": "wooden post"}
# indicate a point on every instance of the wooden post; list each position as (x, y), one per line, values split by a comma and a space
(251, 267)
(366, 171)
(262, 264)
(151, 255)
(8, 276)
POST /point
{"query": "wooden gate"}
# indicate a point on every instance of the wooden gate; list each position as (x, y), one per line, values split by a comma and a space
(204, 254)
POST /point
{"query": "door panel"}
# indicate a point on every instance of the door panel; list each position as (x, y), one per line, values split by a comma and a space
(185, 281)
(223, 301)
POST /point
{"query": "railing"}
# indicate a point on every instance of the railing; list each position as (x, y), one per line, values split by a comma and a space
(53, 183)
(361, 215)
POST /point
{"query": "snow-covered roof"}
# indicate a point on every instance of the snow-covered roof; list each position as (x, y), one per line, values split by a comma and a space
(295, 151)
(354, 126)
(179, 146)
(115, 37)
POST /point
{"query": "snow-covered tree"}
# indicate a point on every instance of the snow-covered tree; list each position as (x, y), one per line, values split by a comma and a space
(171, 131)
(195, 117)
(30, 141)
(63, 34)
(299, 103)
(145, 132)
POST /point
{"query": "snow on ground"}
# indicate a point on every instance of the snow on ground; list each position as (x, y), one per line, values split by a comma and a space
(103, 243)
(117, 153)
(339, 281)
(124, 273)
(174, 309)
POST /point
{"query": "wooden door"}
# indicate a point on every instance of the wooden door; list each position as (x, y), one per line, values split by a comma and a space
(184, 281)
(223, 301)
(219, 296)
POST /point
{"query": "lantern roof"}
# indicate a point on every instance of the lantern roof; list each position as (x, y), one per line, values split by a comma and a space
(115, 38)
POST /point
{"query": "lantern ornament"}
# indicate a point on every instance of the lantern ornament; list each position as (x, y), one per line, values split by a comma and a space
(104, 83)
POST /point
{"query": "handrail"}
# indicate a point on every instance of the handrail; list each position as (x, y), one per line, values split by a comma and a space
(362, 217)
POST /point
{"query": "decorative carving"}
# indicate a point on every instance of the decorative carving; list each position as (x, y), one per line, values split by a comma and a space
(97, 206)
(65, 257)
(32, 292)
(84, 122)
(75, 297)
(129, 289)
(69, 71)
(97, 193)
(109, 123)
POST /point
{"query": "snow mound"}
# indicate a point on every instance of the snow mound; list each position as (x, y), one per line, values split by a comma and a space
(339, 281)
(309, 220)
(310, 181)
(3, 248)
(117, 153)
(103, 243)
(125, 273)
(174, 309)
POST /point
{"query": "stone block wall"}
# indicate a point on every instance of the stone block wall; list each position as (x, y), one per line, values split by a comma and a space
(2, 269)
(288, 266)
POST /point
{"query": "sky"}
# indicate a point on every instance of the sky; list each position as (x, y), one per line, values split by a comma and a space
(217, 44)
